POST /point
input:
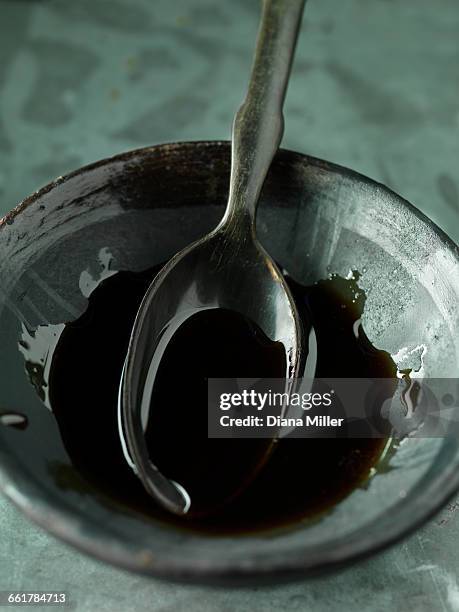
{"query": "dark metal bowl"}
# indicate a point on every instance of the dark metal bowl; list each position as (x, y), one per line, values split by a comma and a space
(314, 218)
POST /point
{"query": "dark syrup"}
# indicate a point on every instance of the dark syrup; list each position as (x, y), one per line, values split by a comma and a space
(301, 478)
(214, 343)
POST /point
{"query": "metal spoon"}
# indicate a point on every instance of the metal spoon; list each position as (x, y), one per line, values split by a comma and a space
(228, 268)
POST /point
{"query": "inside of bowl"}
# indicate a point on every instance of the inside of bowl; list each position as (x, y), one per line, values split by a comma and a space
(315, 219)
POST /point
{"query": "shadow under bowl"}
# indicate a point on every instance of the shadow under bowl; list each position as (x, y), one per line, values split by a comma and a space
(314, 218)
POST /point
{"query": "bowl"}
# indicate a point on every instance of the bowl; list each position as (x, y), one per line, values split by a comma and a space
(315, 218)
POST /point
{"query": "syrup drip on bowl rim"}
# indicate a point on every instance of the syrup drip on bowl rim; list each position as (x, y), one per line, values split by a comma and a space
(14, 419)
(303, 478)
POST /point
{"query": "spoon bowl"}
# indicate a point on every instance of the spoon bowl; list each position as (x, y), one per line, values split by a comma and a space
(223, 270)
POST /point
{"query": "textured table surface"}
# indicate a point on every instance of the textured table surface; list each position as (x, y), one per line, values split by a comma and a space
(375, 87)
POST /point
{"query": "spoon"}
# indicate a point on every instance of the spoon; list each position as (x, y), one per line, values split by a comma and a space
(227, 267)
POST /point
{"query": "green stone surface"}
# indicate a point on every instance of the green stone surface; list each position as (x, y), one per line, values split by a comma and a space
(374, 87)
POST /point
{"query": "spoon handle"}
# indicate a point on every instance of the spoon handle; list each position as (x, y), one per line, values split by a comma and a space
(259, 123)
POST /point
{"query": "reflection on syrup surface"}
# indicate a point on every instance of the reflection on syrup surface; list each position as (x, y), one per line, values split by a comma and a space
(301, 478)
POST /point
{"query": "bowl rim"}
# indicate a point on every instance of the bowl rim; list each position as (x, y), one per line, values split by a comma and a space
(66, 523)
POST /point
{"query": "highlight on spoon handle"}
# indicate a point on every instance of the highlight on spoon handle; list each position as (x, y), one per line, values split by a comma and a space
(259, 123)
